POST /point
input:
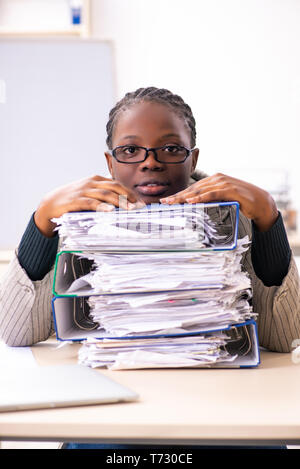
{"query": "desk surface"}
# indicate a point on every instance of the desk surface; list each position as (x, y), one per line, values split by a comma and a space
(197, 406)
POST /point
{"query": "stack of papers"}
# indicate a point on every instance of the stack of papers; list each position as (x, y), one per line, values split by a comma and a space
(148, 272)
(162, 352)
(170, 315)
(180, 226)
(159, 297)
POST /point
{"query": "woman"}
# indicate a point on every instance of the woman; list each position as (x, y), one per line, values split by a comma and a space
(151, 157)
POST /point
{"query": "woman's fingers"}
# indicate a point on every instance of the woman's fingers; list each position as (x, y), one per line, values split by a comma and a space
(196, 191)
(210, 195)
(218, 181)
(82, 203)
(179, 196)
(116, 187)
(115, 199)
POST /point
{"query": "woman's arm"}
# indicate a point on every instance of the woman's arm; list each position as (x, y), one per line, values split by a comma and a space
(255, 203)
(269, 261)
(277, 306)
(25, 307)
(26, 288)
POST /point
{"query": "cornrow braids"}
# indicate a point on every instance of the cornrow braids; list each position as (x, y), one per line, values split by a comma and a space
(159, 95)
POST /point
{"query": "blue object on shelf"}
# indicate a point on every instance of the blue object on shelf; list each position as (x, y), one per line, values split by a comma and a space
(76, 15)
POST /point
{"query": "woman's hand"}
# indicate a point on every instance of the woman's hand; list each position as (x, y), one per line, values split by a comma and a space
(95, 193)
(255, 203)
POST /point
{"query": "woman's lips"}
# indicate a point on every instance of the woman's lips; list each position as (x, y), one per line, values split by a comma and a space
(152, 189)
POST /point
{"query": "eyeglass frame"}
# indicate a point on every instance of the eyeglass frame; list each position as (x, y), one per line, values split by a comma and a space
(147, 150)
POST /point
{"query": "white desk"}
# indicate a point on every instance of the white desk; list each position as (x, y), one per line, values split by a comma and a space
(206, 406)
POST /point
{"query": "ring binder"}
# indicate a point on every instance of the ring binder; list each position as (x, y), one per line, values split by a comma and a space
(212, 298)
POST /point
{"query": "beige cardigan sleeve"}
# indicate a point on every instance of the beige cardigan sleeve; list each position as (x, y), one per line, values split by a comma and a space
(26, 316)
(277, 307)
(25, 307)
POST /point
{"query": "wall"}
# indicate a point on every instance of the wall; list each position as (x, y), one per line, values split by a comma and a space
(235, 62)
(52, 125)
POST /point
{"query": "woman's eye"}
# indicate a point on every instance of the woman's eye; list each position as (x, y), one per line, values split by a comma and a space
(129, 150)
(172, 148)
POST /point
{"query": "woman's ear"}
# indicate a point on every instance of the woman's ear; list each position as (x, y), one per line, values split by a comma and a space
(109, 159)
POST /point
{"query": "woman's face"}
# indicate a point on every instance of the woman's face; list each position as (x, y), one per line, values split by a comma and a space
(150, 125)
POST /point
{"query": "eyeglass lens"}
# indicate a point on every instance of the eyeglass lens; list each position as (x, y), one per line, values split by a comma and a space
(168, 154)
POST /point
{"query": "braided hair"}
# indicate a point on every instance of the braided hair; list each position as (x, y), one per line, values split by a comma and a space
(158, 95)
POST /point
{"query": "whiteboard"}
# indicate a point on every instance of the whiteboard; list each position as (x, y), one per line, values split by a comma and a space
(55, 98)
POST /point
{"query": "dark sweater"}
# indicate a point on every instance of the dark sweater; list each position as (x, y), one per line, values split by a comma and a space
(270, 252)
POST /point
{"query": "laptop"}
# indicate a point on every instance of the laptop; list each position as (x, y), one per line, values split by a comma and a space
(59, 386)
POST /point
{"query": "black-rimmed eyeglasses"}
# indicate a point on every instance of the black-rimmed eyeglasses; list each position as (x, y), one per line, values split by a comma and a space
(130, 154)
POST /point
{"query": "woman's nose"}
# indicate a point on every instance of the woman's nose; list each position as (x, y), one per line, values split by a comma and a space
(150, 162)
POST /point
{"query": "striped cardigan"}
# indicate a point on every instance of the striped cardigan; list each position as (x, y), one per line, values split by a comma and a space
(26, 316)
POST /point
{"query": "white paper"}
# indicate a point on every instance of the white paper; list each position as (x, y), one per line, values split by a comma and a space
(190, 351)
(178, 226)
(13, 359)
